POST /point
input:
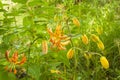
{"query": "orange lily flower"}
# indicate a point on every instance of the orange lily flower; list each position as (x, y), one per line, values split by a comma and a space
(58, 39)
(14, 58)
(14, 61)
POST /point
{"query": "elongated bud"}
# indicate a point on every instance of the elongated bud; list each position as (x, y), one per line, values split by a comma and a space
(22, 61)
(55, 18)
(100, 45)
(104, 62)
(70, 53)
(85, 39)
(95, 38)
(99, 30)
(87, 55)
(7, 55)
(76, 22)
(55, 71)
(44, 47)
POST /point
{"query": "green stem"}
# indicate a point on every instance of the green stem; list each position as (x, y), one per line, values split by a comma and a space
(29, 50)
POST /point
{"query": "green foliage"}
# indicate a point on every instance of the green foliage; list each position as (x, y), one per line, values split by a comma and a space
(20, 1)
(23, 27)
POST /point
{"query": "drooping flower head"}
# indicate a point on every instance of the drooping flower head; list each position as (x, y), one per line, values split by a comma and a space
(13, 61)
(100, 45)
(85, 39)
(104, 62)
(70, 53)
(57, 38)
(76, 22)
(94, 38)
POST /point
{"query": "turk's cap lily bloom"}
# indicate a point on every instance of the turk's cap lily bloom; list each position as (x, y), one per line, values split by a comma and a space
(14, 58)
(57, 38)
(13, 61)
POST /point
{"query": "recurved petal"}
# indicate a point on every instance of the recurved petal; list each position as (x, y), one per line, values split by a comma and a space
(65, 37)
(49, 30)
(60, 47)
(65, 43)
(58, 27)
(15, 57)
(22, 61)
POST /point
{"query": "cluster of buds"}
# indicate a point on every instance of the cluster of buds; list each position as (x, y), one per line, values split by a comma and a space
(97, 40)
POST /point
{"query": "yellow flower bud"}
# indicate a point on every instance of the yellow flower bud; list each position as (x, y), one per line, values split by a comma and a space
(76, 22)
(99, 30)
(55, 71)
(95, 38)
(104, 62)
(55, 18)
(44, 47)
(70, 53)
(85, 39)
(87, 55)
(100, 45)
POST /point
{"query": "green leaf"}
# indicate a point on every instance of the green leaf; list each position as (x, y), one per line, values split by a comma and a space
(20, 1)
(2, 31)
(2, 10)
(27, 21)
(6, 76)
(34, 3)
(1, 5)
